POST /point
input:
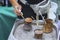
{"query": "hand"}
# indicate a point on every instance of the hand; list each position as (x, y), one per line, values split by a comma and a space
(17, 10)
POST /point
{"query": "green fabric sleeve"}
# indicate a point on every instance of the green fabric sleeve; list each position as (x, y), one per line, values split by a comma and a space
(7, 19)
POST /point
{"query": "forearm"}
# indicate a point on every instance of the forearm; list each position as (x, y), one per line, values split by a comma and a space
(14, 3)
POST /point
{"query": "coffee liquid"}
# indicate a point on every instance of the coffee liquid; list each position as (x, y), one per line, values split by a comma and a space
(38, 34)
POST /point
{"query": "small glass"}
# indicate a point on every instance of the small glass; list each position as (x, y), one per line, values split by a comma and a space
(38, 34)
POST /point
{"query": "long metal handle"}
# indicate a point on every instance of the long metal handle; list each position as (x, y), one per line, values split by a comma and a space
(22, 15)
(42, 16)
(37, 18)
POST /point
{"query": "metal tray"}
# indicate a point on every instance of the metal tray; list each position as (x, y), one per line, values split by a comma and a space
(20, 34)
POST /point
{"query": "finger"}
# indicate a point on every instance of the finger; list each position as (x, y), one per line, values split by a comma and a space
(17, 13)
(19, 8)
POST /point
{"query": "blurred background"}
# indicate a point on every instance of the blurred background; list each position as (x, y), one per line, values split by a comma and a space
(7, 17)
(58, 2)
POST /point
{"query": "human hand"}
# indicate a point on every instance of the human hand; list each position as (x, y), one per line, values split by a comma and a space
(17, 10)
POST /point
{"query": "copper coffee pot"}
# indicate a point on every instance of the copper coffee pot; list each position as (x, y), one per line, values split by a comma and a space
(27, 24)
(48, 26)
